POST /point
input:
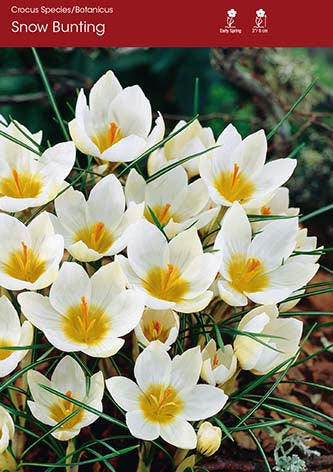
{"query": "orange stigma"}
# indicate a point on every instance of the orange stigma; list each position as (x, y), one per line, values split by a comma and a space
(265, 211)
(215, 361)
(83, 320)
(115, 133)
(157, 326)
(25, 252)
(235, 174)
(97, 231)
(84, 311)
(67, 403)
(164, 212)
(17, 181)
(169, 274)
(253, 264)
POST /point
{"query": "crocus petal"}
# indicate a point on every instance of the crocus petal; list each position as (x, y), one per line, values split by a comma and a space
(140, 427)
(202, 402)
(101, 96)
(274, 174)
(39, 310)
(69, 376)
(125, 150)
(234, 236)
(70, 286)
(272, 250)
(147, 248)
(132, 111)
(195, 304)
(106, 202)
(179, 433)
(135, 187)
(184, 247)
(230, 295)
(106, 283)
(283, 281)
(125, 392)
(186, 369)
(156, 355)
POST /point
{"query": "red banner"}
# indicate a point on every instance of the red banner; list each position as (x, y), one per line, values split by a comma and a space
(108, 23)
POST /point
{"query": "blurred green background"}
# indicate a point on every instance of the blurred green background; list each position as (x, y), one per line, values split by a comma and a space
(252, 88)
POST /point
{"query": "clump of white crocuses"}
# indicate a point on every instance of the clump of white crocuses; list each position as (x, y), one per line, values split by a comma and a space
(135, 276)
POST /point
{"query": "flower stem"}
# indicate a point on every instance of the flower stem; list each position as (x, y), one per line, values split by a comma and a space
(179, 456)
(145, 459)
(70, 449)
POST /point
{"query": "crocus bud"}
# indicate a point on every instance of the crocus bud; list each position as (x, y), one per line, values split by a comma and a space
(209, 439)
(158, 325)
(7, 429)
(274, 340)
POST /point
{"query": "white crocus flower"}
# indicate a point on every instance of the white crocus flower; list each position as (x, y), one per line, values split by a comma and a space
(277, 206)
(260, 354)
(258, 269)
(158, 325)
(217, 366)
(166, 396)
(29, 255)
(192, 140)
(175, 210)
(7, 429)
(12, 334)
(115, 126)
(27, 179)
(68, 379)
(98, 226)
(173, 275)
(236, 171)
(82, 314)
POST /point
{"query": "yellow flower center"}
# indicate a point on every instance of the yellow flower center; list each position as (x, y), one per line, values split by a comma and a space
(166, 284)
(234, 186)
(4, 353)
(247, 275)
(24, 264)
(86, 324)
(21, 185)
(63, 408)
(107, 139)
(155, 330)
(96, 237)
(160, 404)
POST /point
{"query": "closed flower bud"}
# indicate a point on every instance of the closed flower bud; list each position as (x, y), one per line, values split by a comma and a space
(7, 429)
(209, 439)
